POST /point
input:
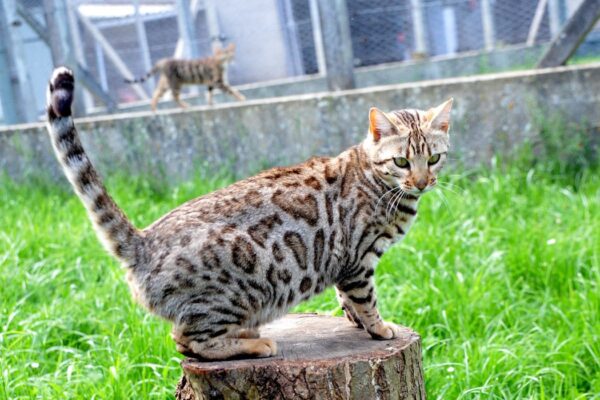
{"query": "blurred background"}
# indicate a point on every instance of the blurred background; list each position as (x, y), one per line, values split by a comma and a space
(279, 42)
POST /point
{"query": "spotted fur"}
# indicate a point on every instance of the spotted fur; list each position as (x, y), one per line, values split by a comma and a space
(221, 265)
(175, 73)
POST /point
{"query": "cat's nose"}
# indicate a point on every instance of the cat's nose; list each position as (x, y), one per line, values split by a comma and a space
(421, 184)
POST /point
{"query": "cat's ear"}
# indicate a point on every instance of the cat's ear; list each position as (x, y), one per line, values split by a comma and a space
(379, 124)
(440, 116)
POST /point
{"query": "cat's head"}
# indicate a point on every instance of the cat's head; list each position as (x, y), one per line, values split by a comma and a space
(408, 148)
(225, 54)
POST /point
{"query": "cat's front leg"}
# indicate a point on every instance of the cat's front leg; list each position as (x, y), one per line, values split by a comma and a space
(228, 89)
(358, 295)
(349, 311)
(209, 95)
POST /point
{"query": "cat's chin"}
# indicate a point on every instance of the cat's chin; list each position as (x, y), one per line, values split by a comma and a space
(418, 193)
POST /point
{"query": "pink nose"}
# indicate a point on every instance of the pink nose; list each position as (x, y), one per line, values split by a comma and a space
(421, 184)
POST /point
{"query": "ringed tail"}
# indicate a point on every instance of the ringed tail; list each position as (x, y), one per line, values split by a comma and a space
(145, 77)
(116, 232)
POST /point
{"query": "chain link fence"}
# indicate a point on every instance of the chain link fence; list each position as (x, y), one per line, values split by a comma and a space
(279, 39)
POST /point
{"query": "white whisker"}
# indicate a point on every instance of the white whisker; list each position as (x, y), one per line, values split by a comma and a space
(397, 201)
(390, 204)
(382, 196)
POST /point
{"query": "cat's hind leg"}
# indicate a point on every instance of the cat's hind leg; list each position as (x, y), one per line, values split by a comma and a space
(216, 333)
(239, 343)
(224, 348)
(161, 88)
(245, 334)
(176, 93)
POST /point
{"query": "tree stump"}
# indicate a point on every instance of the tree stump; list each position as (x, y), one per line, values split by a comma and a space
(319, 357)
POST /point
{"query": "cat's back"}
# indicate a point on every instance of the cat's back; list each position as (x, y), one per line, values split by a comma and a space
(291, 194)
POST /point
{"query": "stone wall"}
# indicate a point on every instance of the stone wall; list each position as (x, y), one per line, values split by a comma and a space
(493, 114)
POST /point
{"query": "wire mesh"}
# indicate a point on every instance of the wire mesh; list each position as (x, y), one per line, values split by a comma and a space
(279, 38)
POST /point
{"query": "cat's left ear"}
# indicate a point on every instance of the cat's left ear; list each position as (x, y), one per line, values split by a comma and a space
(440, 116)
(379, 124)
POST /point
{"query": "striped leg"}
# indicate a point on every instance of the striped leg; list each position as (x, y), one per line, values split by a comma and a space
(228, 89)
(209, 95)
(358, 297)
(223, 348)
(176, 93)
(215, 333)
(245, 334)
(243, 342)
(161, 89)
(349, 311)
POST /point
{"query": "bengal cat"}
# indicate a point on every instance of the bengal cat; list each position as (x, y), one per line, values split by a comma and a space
(223, 264)
(174, 73)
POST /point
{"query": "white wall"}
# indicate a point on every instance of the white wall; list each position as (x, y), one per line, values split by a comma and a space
(258, 33)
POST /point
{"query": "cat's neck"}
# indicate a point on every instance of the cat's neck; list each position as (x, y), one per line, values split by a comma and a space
(355, 161)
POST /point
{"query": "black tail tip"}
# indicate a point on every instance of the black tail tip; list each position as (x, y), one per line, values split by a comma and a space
(60, 93)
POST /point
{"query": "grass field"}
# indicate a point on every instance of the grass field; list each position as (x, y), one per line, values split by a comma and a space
(500, 275)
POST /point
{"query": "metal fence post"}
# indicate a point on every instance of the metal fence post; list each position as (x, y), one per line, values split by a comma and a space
(15, 87)
(416, 8)
(143, 41)
(185, 22)
(554, 17)
(487, 19)
(63, 40)
(212, 23)
(317, 36)
(337, 43)
(85, 101)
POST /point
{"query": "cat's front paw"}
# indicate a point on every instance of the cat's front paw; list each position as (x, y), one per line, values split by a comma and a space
(385, 331)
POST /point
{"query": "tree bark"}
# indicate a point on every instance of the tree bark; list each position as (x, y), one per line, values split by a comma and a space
(319, 357)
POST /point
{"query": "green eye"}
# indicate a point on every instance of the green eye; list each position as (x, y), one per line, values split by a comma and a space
(433, 159)
(401, 162)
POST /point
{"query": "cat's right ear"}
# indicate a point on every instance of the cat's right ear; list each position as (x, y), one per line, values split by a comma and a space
(379, 124)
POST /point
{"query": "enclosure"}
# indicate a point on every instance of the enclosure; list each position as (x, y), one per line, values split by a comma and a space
(499, 275)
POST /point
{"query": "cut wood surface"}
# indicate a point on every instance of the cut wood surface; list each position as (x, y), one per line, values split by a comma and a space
(319, 357)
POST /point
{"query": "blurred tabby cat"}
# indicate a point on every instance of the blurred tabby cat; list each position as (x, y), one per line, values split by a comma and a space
(222, 265)
(174, 73)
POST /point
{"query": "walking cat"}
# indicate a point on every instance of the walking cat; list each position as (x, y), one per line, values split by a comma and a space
(223, 264)
(174, 73)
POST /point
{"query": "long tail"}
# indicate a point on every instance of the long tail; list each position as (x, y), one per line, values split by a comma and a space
(115, 231)
(145, 77)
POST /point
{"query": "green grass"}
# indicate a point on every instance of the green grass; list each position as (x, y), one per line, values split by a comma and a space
(577, 60)
(501, 279)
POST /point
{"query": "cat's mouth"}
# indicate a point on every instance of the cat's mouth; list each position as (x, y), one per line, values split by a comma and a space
(416, 191)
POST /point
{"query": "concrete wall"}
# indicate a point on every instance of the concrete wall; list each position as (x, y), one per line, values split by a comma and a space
(516, 57)
(493, 114)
